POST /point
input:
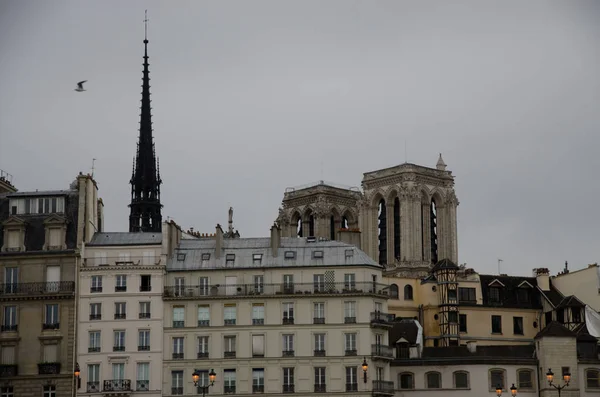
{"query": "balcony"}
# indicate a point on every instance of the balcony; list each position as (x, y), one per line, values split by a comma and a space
(319, 353)
(7, 370)
(351, 352)
(93, 387)
(202, 355)
(142, 385)
(95, 316)
(281, 290)
(320, 388)
(382, 320)
(143, 348)
(177, 356)
(144, 315)
(287, 321)
(258, 388)
(120, 316)
(33, 290)
(49, 368)
(50, 326)
(116, 261)
(351, 386)
(228, 354)
(383, 388)
(9, 328)
(117, 385)
(229, 389)
(288, 388)
(287, 353)
(381, 352)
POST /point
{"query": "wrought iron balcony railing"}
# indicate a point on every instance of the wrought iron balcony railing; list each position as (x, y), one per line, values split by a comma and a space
(116, 261)
(351, 386)
(54, 287)
(382, 351)
(49, 368)
(93, 387)
(383, 386)
(117, 385)
(229, 389)
(382, 318)
(9, 328)
(50, 326)
(288, 388)
(320, 388)
(142, 385)
(244, 290)
(7, 370)
(258, 388)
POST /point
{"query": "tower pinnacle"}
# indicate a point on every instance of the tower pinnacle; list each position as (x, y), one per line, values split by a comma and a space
(145, 215)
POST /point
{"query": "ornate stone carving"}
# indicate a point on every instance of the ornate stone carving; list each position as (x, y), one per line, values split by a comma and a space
(282, 218)
(322, 207)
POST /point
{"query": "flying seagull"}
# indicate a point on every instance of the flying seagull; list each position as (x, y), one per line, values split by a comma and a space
(80, 86)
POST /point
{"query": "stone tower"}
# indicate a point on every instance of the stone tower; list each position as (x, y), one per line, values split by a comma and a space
(408, 215)
(405, 217)
(145, 215)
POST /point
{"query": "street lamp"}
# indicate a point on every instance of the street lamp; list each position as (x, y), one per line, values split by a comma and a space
(513, 390)
(566, 379)
(76, 373)
(365, 367)
(211, 377)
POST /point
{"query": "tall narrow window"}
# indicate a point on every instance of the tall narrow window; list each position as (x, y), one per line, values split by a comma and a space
(288, 313)
(433, 229)
(319, 345)
(288, 345)
(229, 380)
(397, 229)
(93, 378)
(230, 312)
(258, 380)
(382, 231)
(288, 380)
(203, 347)
(320, 380)
(203, 316)
(51, 320)
(351, 379)
(350, 344)
(176, 383)
(332, 228)
(143, 377)
(203, 285)
(350, 312)
(311, 226)
(178, 317)
(229, 346)
(144, 340)
(178, 348)
(319, 313)
(258, 314)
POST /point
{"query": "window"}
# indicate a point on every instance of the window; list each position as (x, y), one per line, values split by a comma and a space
(229, 381)
(592, 379)
(408, 292)
(11, 279)
(258, 314)
(121, 284)
(144, 340)
(179, 285)
(518, 325)
(119, 341)
(461, 380)
(462, 323)
(575, 314)
(319, 345)
(259, 284)
(467, 295)
(256, 259)
(204, 286)
(178, 317)
(433, 380)
(120, 310)
(319, 282)
(494, 294)
(50, 353)
(320, 380)
(95, 311)
(258, 380)
(144, 310)
(288, 283)
(496, 324)
(258, 345)
(230, 312)
(143, 377)
(229, 346)
(406, 380)
(523, 295)
(560, 315)
(288, 380)
(350, 312)
(319, 313)
(96, 285)
(49, 391)
(524, 379)
(7, 391)
(349, 281)
(180, 257)
(229, 259)
(394, 291)
(93, 378)
(95, 342)
(51, 320)
(317, 254)
(288, 313)
(350, 344)
(203, 347)
(145, 282)
(290, 254)
(288, 345)
(351, 379)
(453, 317)
(203, 316)
(9, 322)
(348, 253)
(177, 383)
(205, 256)
(178, 348)
(497, 377)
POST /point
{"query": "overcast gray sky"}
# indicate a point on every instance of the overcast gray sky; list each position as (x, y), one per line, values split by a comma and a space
(250, 97)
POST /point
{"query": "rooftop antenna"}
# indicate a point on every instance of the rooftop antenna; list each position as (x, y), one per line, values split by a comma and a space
(499, 261)
(93, 166)
(405, 152)
(146, 24)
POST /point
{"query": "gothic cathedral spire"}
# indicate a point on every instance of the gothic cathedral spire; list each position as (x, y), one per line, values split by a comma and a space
(145, 215)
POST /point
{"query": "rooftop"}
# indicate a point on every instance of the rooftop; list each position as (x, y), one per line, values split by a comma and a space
(125, 238)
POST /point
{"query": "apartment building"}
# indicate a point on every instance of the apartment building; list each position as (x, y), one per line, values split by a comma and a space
(275, 315)
(41, 233)
(120, 313)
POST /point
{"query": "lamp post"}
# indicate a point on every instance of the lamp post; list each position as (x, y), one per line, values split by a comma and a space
(513, 390)
(211, 378)
(566, 379)
(365, 367)
(76, 374)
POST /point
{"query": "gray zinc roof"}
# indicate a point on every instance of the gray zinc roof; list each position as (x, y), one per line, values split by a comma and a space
(335, 253)
(41, 193)
(125, 238)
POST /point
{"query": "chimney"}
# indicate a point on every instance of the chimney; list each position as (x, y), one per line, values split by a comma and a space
(219, 240)
(542, 276)
(275, 239)
(472, 346)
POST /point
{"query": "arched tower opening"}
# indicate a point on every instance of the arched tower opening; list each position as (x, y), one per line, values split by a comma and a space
(296, 224)
(433, 230)
(382, 232)
(397, 229)
(309, 218)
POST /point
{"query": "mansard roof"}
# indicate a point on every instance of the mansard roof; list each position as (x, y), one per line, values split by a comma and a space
(305, 254)
(403, 330)
(41, 193)
(460, 355)
(125, 238)
(509, 285)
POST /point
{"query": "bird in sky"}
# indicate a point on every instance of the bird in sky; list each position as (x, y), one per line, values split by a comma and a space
(80, 86)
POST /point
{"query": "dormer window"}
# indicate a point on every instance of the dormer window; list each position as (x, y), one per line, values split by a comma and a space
(229, 259)
(256, 259)
(349, 253)
(317, 254)
(495, 294)
(56, 233)
(37, 205)
(205, 256)
(180, 257)
(290, 254)
(523, 295)
(14, 235)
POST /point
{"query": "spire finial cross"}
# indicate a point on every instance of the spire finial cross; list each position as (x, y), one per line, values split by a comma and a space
(146, 25)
